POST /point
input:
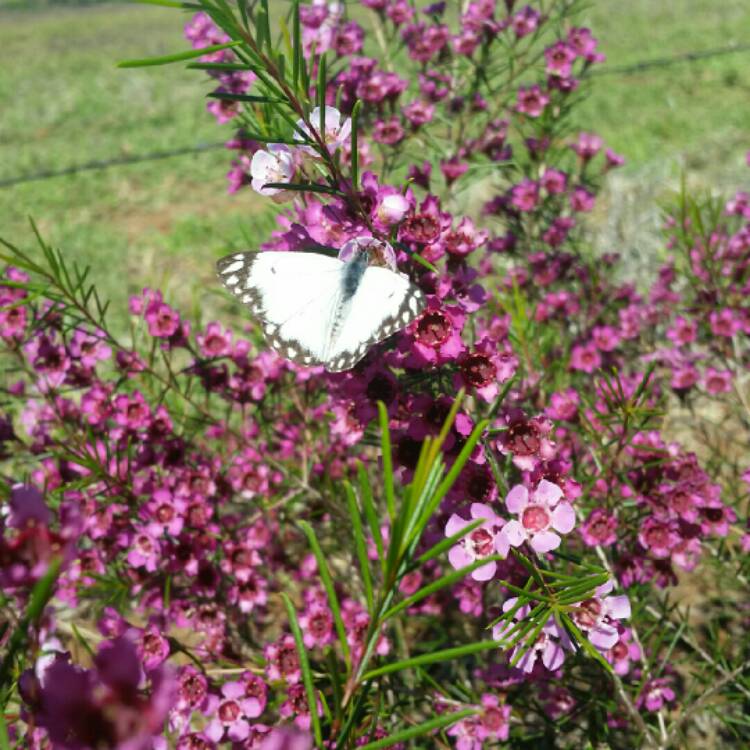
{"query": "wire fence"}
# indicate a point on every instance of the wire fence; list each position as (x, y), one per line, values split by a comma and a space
(657, 62)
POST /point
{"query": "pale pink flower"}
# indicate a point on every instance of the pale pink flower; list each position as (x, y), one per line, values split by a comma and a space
(541, 513)
(484, 541)
(272, 166)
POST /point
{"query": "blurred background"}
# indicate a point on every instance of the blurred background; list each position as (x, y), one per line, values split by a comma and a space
(161, 222)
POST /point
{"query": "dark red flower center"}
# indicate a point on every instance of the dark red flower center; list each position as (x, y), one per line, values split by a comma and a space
(478, 370)
(433, 329)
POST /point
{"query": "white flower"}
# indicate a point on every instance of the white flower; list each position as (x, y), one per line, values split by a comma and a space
(274, 165)
(337, 129)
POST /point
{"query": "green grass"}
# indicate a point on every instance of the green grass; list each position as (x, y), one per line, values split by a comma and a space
(163, 222)
(159, 222)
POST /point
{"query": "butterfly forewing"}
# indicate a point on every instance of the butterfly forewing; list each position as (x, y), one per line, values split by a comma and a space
(308, 314)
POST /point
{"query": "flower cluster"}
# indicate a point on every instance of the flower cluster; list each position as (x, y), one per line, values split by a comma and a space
(163, 489)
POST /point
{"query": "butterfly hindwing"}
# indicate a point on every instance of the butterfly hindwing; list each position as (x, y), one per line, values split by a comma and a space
(384, 302)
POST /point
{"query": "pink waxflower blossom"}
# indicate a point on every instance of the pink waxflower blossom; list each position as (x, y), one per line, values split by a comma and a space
(599, 529)
(559, 57)
(682, 331)
(587, 146)
(581, 200)
(658, 537)
(525, 195)
(482, 542)
(276, 165)
(585, 358)
(419, 112)
(553, 181)
(624, 651)
(287, 738)
(337, 129)
(526, 21)
(494, 719)
(597, 617)
(717, 381)
(282, 660)
(541, 513)
(655, 694)
(724, 323)
(389, 132)
(564, 406)
(230, 720)
(531, 100)
(550, 645)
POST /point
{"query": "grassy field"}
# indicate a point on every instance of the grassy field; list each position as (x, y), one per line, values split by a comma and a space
(161, 223)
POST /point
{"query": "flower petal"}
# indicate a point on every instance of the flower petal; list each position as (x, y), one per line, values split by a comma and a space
(480, 510)
(459, 557)
(455, 524)
(545, 541)
(502, 543)
(514, 533)
(563, 518)
(485, 572)
(618, 606)
(553, 655)
(547, 493)
(517, 499)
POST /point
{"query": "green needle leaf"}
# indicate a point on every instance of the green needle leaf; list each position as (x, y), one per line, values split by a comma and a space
(307, 677)
(190, 54)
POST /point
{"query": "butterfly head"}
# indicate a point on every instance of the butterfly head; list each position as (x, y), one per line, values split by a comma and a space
(375, 252)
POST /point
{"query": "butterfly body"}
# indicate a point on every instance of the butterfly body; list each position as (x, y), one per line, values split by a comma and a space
(321, 310)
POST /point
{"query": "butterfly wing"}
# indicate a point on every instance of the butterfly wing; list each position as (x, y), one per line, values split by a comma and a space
(383, 303)
(297, 296)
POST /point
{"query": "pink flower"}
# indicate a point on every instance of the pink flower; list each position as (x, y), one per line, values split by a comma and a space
(600, 529)
(581, 200)
(587, 146)
(231, 715)
(531, 100)
(596, 617)
(525, 195)
(539, 512)
(494, 720)
(655, 693)
(585, 358)
(724, 323)
(550, 645)
(482, 542)
(717, 381)
(273, 166)
(337, 129)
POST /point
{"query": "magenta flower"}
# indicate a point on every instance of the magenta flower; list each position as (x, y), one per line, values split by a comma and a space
(287, 738)
(597, 617)
(531, 100)
(232, 712)
(655, 694)
(494, 720)
(623, 652)
(484, 541)
(541, 513)
(600, 529)
(717, 381)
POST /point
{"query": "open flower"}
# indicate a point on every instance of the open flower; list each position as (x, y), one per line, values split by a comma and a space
(484, 541)
(540, 514)
(336, 129)
(272, 166)
(550, 645)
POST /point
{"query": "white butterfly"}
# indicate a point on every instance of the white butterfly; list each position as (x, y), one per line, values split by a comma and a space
(320, 310)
